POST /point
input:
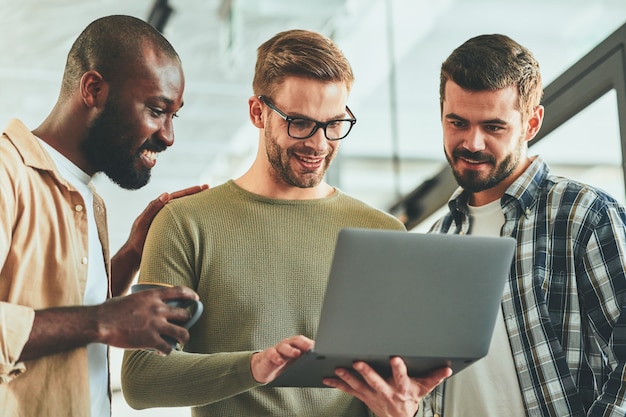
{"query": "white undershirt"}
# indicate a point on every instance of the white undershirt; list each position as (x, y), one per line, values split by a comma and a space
(96, 288)
(488, 388)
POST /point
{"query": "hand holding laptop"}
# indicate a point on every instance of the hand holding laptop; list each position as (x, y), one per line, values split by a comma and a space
(268, 364)
(398, 395)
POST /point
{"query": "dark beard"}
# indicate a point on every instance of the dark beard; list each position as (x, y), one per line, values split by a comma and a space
(471, 180)
(108, 150)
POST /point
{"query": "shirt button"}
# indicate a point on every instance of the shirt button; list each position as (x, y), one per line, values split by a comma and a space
(84, 261)
(78, 208)
(528, 212)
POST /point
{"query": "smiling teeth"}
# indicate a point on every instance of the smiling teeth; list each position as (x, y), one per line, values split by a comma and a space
(150, 154)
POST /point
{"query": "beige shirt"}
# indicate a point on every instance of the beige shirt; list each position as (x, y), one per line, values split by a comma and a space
(43, 263)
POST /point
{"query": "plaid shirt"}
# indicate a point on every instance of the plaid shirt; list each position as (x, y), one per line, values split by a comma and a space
(563, 302)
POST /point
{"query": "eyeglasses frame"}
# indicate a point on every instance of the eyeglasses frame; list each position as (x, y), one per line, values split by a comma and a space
(318, 125)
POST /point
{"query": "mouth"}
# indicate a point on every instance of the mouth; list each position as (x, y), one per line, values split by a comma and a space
(310, 163)
(473, 160)
(149, 158)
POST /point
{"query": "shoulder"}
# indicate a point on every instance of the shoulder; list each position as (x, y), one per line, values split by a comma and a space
(202, 207)
(217, 195)
(567, 191)
(9, 154)
(581, 204)
(13, 169)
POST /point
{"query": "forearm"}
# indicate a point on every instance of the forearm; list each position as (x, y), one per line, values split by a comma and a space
(124, 268)
(184, 379)
(60, 329)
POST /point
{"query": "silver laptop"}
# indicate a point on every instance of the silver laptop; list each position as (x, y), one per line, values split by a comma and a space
(430, 298)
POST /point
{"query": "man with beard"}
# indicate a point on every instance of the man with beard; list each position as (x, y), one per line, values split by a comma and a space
(558, 345)
(60, 293)
(260, 260)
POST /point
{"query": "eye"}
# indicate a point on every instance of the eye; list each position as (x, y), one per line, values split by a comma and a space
(457, 123)
(493, 128)
(156, 112)
(301, 124)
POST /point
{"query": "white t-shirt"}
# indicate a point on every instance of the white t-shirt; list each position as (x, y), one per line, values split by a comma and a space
(97, 283)
(488, 388)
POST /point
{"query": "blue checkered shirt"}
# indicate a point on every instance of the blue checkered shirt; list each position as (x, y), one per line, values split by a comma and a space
(563, 301)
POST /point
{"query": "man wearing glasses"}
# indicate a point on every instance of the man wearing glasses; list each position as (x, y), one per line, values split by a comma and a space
(258, 249)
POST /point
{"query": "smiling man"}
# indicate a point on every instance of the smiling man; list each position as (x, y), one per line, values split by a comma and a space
(257, 250)
(558, 344)
(60, 304)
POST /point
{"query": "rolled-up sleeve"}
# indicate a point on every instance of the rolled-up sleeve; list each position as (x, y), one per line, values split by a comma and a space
(15, 325)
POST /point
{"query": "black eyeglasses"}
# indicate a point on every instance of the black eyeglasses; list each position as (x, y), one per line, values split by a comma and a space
(302, 128)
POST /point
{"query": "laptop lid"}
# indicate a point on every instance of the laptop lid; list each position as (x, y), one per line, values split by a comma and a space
(430, 298)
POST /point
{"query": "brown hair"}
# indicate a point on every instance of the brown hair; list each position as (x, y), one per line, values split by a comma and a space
(493, 62)
(299, 53)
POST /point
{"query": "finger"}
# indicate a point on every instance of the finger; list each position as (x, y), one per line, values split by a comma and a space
(188, 191)
(180, 334)
(158, 203)
(301, 342)
(153, 208)
(177, 293)
(159, 345)
(288, 351)
(438, 374)
(429, 382)
(400, 375)
(348, 383)
(370, 376)
(176, 313)
(162, 348)
(337, 383)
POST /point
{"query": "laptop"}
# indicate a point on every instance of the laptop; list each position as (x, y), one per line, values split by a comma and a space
(431, 299)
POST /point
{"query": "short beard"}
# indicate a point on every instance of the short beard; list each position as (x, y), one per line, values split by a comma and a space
(471, 180)
(108, 150)
(279, 161)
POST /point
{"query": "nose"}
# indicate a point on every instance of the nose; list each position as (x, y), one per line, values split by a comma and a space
(474, 140)
(318, 141)
(166, 133)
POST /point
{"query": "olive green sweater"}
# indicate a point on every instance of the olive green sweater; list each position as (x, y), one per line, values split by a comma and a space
(260, 267)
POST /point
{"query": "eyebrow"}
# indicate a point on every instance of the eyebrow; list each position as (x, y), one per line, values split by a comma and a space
(339, 117)
(496, 121)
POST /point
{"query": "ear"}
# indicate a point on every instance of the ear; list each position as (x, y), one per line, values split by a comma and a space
(534, 123)
(93, 89)
(255, 107)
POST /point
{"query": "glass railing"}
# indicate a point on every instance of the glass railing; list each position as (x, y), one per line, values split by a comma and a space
(601, 71)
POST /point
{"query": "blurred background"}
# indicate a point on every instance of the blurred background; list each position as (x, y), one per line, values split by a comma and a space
(395, 47)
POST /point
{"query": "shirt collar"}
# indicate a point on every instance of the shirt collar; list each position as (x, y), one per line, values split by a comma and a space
(524, 191)
(31, 150)
(28, 146)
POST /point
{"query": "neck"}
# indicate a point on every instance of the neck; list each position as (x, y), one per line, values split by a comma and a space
(259, 184)
(63, 130)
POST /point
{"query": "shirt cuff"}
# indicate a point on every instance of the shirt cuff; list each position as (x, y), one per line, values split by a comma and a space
(16, 323)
